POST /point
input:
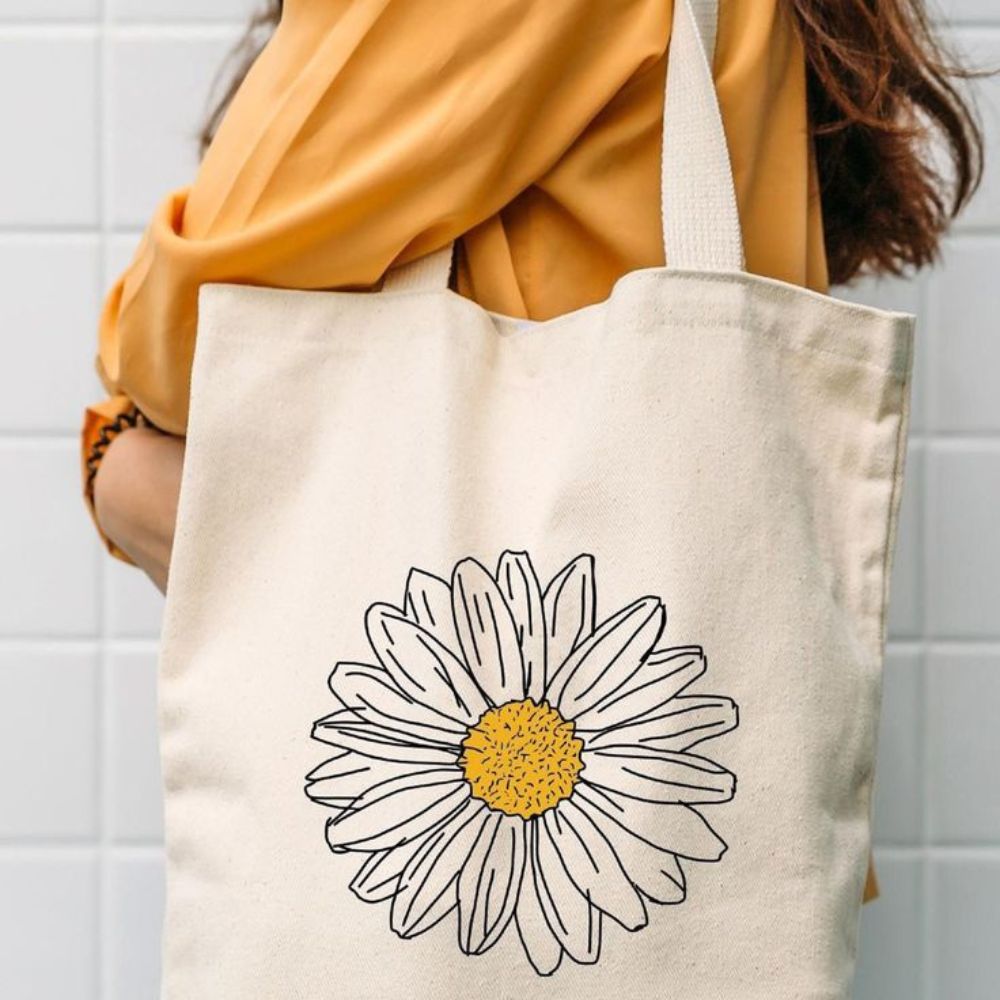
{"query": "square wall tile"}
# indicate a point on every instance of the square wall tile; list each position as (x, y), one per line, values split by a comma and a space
(969, 10)
(899, 775)
(905, 591)
(50, 310)
(963, 544)
(963, 698)
(135, 606)
(891, 942)
(48, 742)
(183, 10)
(135, 926)
(121, 248)
(48, 170)
(45, 10)
(964, 391)
(48, 546)
(965, 916)
(159, 97)
(136, 790)
(48, 926)
(980, 48)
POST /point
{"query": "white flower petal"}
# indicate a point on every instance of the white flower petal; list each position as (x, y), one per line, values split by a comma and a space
(520, 588)
(428, 889)
(540, 944)
(679, 725)
(489, 883)
(329, 766)
(662, 676)
(678, 829)
(486, 632)
(663, 777)
(346, 731)
(428, 603)
(604, 663)
(654, 872)
(398, 811)
(570, 603)
(371, 692)
(593, 865)
(575, 923)
(379, 729)
(343, 779)
(421, 667)
(378, 878)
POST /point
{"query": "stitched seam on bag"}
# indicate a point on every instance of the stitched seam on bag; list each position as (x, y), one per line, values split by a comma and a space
(827, 304)
(892, 514)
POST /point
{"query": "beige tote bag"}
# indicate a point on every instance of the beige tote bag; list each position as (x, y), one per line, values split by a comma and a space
(520, 659)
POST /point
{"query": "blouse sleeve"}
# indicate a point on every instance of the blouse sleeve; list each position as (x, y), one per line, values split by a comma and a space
(368, 132)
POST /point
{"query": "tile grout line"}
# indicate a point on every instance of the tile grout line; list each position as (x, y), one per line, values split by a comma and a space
(105, 947)
(924, 303)
(87, 27)
(75, 846)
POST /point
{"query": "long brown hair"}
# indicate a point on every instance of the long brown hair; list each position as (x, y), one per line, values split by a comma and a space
(883, 95)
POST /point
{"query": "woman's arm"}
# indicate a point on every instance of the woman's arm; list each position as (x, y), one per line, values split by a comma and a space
(135, 497)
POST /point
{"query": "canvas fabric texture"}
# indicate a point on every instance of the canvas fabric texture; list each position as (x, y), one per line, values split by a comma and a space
(533, 659)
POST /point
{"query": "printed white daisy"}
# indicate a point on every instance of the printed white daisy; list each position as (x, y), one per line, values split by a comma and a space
(511, 759)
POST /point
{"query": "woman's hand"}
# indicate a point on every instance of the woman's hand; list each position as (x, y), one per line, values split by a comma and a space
(135, 497)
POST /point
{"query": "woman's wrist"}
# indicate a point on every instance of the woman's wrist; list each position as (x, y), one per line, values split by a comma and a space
(135, 489)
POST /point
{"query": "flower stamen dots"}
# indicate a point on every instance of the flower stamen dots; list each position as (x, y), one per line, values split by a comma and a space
(522, 758)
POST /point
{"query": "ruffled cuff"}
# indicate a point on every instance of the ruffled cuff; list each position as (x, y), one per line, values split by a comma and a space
(102, 422)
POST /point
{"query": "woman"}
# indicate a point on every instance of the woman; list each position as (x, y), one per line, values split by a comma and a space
(370, 133)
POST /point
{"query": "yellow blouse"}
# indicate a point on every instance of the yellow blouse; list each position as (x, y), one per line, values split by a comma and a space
(370, 132)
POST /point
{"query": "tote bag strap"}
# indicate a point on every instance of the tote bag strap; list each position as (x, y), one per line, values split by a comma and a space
(701, 226)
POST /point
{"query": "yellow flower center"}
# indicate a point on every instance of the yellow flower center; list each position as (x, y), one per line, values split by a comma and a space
(522, 758)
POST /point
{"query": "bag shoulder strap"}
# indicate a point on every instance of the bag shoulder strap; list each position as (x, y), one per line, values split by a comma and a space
(700, 220)
(701, 224)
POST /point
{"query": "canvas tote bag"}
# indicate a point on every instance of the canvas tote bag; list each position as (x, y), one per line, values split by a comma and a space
(533, 659)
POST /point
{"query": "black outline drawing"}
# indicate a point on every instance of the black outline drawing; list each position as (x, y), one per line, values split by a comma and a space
(397, 793)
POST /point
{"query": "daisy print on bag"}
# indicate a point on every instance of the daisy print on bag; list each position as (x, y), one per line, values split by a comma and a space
(515, 764)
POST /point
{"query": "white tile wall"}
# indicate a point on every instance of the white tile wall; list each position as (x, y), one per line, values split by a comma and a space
(49, 923)
(49, 718)
(49, 176)
(962, 907)
(135, 811)
(120, 87)
(50, 581)
(963, 694)
(169, 11)
(962, 393)
(892, 944)
(135, 907)
(157, 78)
(963, 547)
(54, 332)
(981, 47)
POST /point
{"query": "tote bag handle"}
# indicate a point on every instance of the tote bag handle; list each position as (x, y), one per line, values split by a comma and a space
(701, 226)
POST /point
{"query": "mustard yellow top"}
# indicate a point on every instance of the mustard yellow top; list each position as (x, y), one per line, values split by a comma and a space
(371, 132)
